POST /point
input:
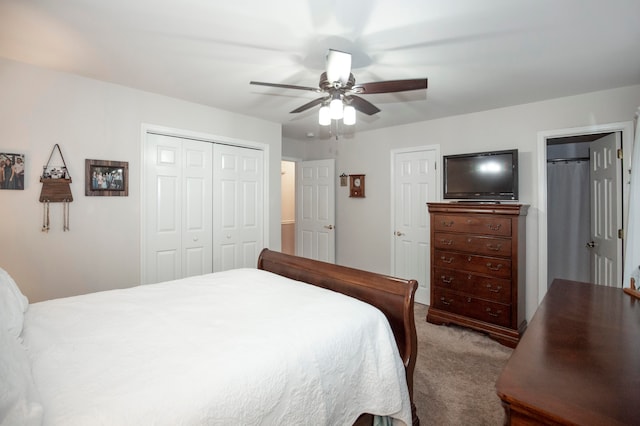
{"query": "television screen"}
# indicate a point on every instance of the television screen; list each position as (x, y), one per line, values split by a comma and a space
(481, 176)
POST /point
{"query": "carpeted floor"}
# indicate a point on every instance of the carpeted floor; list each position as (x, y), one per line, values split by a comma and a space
(456, 371)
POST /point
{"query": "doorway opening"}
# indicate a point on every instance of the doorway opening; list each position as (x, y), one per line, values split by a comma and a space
(569, 144)
(288, 223)
(568, 207)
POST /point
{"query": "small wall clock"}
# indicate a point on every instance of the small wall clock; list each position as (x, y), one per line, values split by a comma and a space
(356, 186)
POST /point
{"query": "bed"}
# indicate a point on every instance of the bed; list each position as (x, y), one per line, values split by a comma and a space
(204, 350)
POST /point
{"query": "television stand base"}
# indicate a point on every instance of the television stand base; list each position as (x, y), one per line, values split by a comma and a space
(477, 202)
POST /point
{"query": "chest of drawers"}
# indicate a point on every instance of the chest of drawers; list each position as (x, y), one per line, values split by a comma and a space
(478, 268)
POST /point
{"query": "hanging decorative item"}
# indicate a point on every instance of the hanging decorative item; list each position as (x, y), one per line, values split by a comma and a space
(356, 188)
(56, 188)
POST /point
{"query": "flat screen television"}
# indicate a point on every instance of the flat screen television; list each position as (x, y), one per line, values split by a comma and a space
(488, 176)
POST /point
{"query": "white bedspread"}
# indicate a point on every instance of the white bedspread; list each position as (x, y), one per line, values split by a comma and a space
(241, 347)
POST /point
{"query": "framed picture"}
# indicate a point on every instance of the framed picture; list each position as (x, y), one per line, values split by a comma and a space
(11, 171)
(106, 178)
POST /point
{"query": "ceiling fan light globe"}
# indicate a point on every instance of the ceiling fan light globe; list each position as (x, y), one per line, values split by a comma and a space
(349, 118)
(324, 117)
(336, 109)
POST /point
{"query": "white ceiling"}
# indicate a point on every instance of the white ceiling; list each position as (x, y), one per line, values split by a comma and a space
(477, 54)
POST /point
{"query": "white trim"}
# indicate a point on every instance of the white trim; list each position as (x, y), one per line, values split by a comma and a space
(205, 137)
(394, 153)
(626, 128)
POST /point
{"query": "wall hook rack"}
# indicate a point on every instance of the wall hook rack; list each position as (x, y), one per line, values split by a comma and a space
(56, 188)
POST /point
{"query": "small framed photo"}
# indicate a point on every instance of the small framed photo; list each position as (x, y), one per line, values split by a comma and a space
(11, 171)
(106, 178)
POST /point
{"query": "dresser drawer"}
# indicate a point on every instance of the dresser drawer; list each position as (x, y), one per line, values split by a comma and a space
(473, 224)
(492, 266)
(461, 304)
(495, 289)
(473, 243)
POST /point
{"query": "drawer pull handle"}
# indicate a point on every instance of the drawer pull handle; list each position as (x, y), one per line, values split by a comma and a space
(494, 290)
(493, 314)
(495, 227)
(446, 280)
(445, 302)
(446, 242)
(494, 247)
(494, 268)
(446, 260)
(447, 224)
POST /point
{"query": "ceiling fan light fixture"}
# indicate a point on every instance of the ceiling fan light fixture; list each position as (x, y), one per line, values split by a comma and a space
(324, 117)
(349, 118)
(341, 96)
(336, 108)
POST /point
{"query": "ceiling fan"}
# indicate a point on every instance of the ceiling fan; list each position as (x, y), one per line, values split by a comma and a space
(339, 89)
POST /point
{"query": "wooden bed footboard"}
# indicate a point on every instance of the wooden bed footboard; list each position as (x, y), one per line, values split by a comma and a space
(393, 296)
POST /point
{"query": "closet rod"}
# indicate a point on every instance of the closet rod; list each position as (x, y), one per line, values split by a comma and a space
(566, 160)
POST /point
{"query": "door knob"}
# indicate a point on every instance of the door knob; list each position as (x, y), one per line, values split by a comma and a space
(591, 244)
(329, 226)
(399, 234)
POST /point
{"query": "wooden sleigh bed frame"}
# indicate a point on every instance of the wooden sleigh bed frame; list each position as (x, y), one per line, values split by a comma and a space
(393, 296)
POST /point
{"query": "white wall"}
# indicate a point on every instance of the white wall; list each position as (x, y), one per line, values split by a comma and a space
(93, 120)
(364, 225)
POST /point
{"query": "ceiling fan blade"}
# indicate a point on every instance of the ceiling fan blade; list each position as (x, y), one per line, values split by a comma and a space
(309, 105)
(286, 86)
(363, 105)
(338, 66)
(390, 86)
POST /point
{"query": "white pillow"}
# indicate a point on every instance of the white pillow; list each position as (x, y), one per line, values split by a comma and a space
(19, 399)
(13, 304)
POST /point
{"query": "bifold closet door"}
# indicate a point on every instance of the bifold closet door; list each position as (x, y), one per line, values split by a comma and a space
(178, 208)
(238, 200)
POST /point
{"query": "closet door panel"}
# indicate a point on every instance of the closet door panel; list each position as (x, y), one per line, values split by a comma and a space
(196, 208)
(238, 213)
(203, 207)
(162, 209)
(177, 209)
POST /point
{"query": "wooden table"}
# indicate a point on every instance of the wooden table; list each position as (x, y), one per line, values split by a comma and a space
(579, 360)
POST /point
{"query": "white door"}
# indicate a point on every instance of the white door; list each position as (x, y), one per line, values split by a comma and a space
(315, 210)
(238, 175)
(606, 216)
(414, 184)
(177, 217)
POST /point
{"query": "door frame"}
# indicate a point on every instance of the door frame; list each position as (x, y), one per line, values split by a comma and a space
(146, 128)
(626, 130)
